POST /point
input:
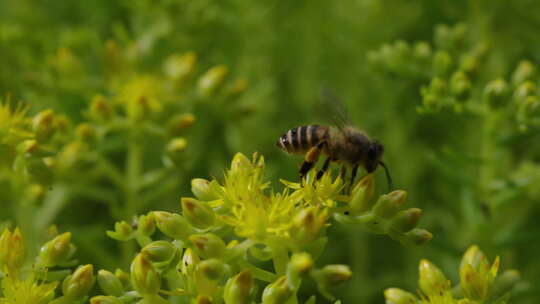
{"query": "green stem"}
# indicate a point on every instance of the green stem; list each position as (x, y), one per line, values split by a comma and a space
(487, 151)
(280, 259)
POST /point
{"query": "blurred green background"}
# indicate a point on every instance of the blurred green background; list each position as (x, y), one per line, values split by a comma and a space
(57, 55)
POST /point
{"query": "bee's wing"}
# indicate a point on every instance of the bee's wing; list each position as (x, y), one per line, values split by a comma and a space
(333, 108)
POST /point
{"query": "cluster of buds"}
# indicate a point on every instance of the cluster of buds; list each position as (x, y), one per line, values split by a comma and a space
(37, 284)
(205, 258)
(478, 283)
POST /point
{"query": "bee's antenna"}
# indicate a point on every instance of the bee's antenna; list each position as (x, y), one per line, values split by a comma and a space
(388, 177)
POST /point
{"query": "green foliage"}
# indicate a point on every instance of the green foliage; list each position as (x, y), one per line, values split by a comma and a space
(108, 109)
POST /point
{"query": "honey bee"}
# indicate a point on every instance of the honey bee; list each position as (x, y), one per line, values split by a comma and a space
(346, 145)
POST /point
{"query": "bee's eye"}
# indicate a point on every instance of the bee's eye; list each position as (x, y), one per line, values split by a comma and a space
(371, 153)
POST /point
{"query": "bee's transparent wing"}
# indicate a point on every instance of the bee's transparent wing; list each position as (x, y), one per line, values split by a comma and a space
(332, 107)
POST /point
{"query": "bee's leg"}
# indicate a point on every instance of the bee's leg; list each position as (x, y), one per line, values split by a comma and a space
(310, 159)
(353, 176)
(343, 174)
(324, 168)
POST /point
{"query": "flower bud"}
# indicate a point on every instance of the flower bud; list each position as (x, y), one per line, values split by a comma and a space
(122, 231)
(172, 225)
(333, 275)
(476, 275)
(406, 220)
(199, 214)
(43, 125)
(442, 62)
(122, 276)
(432, 280)
(299, 266)
(86, 132)
(497, 92)
(240, 164)
(399, 296)
(109, 283)
(442, 36)
(159, 252)
(56, 251)
(5, 239)
(180, 67)
(189, 262)
(146, 224)
(212, 80)
(28, 147)
(208, 245)
(100, 109)
(144, 277)
(525, 71)
(78, 284)
(362, 194)
(213, 269)
(277, 292)
(175, 150)
(239, 288)
(308, 224)
(422, 50)
(179, 123)
(238, 87)
(524, 90)
(203, 299)
(12, 251)
(460, 85)
(388, 205)
(105, 300)
(202, 189)
(418, 236)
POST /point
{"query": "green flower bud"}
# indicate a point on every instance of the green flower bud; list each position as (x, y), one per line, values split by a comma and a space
(109, 283)
(202, 189)
(442, 63)
(308, 224)
(71, 154)
(122, 231)
(524, 90)
(212, 80)
(86, 132)
(213, 269)
(406, 220)
(277, 292)
(432, 280)
(78, 284)
(476, 275)
(525, 71)
(189, 262)
(399, 296)
(179, 123)
(388, 205)
(460, 85)
(172, 225)
(362, 194)
(175, 150)
(333, 275)
(443, 36)
(239, 288)
(238, 87)
(43, 125)
(505, 283)
(180, 67)
(422, 50)
(28, 147)
(199, 214)
(100, 108)
(12, 251)
(497, 92)
(105, 300)
(208, 245)
(240, 164)
(56, 251)
(469, 64)
(299, 266)
(122, 276)
(418, 236)
(203, 299)
(159, 252)
(144, 277)
(146, 224)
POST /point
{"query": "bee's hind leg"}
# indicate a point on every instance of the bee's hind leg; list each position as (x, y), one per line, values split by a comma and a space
(353, 176)
(324, 168)
(309, 161)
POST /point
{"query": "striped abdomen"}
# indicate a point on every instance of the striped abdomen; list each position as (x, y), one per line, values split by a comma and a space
(301, 139)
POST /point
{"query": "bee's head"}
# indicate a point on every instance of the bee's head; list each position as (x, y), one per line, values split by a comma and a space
(373, 156)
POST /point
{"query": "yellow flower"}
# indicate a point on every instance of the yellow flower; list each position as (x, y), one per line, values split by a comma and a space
(141, 96)
(26, 291)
